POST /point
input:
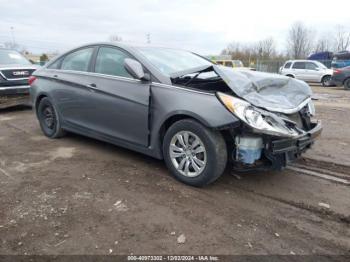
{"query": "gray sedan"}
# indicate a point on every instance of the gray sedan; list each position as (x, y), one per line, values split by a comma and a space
(177, 106)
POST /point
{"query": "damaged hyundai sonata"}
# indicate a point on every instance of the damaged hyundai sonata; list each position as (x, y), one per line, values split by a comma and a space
(177, 106)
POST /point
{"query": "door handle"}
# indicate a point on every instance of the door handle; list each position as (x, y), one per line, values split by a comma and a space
(92, 86)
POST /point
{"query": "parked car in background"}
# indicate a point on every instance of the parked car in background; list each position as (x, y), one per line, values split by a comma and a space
(325, 58)
(235, 64)
(229, 63)
(340, 63)
(341, 59)
(308, 71)
(15, 71)
(341, 77)
(177, 106)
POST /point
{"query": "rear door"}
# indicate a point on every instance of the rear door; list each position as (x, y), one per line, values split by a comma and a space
(120, 103)
(70, 88)
(299, 71)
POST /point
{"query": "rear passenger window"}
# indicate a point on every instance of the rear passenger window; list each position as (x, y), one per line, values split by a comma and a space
(110, 61)
(78, 61)
(287, 65)
(299, 65)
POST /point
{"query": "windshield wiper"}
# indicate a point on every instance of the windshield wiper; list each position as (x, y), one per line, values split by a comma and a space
(193, 78)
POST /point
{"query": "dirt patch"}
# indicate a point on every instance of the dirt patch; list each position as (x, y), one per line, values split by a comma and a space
(79, 196)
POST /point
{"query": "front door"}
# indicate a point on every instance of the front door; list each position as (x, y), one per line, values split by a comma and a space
(298, 70)
(119, 103)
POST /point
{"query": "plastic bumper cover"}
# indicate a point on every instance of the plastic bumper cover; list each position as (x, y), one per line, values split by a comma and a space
(282, 151)
(14, 90)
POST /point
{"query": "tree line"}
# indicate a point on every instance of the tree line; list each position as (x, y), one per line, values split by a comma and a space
(301, 41)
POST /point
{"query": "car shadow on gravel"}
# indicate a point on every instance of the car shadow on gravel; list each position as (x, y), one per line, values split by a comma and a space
(13, 109)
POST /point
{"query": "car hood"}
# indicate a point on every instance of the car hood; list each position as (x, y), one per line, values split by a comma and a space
(273, 92)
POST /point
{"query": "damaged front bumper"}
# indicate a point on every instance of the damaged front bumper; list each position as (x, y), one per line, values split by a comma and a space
(282, 151)
(277, 152)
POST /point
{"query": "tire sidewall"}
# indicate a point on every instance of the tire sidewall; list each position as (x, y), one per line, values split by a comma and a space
(48, 132)
(326, 79)
(347, 84)
(212, 169)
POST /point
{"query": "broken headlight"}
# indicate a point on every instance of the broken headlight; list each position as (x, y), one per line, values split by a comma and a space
(311, 108)
(260, 120)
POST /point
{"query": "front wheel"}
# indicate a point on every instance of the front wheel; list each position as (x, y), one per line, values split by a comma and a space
(326, 81)
(194, 154)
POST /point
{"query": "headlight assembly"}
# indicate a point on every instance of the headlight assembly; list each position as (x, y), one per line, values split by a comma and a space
(260, 120)
(311, 108)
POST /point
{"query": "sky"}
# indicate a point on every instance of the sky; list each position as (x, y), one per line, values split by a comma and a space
(203, 26)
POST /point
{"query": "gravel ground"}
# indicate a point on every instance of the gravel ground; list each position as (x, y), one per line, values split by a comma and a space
(80, 196)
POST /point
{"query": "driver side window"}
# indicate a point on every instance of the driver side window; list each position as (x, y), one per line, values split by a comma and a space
(110, 61)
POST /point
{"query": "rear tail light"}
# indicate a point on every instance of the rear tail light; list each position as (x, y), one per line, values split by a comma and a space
(336, 71)
(31, 80)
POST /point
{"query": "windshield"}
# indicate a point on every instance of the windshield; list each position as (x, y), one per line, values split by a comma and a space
(169, 61)
(10, 57)
(320, 65)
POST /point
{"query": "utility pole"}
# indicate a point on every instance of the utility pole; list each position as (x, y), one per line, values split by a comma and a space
(13, 36)
(148, 38)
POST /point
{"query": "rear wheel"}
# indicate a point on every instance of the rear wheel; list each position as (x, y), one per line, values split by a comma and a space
(49, 120)
(347, 84)
(194, 154)
(326, 81)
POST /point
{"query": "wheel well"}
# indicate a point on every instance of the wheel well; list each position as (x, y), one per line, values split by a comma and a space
(289, 75)
(38, 101)
(346, 80)
(173, 119)
(325, 76)
(170, 121)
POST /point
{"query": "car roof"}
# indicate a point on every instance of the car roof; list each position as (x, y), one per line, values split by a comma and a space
(132, 49)
(302, 60)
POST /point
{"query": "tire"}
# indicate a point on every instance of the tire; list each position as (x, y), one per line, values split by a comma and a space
(326, 81)
(214, 155)
(291, 76)
(49, 120)
(347, 84)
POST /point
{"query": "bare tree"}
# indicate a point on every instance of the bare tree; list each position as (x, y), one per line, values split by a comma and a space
(115, 38)
(342, 39)
(323, 44)
(299, 41)
(266, 48)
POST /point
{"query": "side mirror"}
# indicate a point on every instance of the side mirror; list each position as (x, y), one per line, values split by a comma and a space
(135, 69)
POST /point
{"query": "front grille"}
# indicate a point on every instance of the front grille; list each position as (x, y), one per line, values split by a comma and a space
(13, 74)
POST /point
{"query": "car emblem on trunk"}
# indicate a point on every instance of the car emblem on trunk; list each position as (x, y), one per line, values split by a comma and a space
(20, 73)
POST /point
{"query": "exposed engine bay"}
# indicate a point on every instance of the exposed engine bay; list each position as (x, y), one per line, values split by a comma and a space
(275, 112)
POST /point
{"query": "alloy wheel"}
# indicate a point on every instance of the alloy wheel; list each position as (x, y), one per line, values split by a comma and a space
(188, 154)
(49, 117)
